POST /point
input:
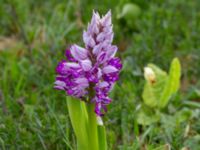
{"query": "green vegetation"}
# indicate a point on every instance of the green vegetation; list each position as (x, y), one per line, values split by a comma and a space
(33, 38)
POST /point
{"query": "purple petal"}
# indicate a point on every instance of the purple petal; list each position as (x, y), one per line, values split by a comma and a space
(72, 65)
(101, 58)
(61, 69)
(106, 20)
(69, 55)
(93, 27)
(97, 49)
(95, 18)
(60, 85)
(78, 52)
(108, 29)
(107, 100)
(109, 69)
(82, 82)
(103, 84)
(100, 37)
(111, 51)
(88, 40)
(99, 73)
(111, 77)
(115, 62)
(86, 64)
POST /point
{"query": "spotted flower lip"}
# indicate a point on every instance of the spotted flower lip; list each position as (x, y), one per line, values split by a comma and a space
(92, 68)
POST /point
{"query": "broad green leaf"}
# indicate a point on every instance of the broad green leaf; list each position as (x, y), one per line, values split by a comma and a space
(79, 120)
(172, 84)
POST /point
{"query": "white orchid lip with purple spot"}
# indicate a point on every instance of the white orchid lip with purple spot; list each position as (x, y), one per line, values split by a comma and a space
(90, 72)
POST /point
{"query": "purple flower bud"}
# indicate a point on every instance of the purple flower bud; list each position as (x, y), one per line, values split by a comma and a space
(93, 66)
(106, 20)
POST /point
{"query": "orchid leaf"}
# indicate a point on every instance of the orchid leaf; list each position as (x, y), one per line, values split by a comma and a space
(79, 119)
(172, 84)
(158, 92)
(152, 91)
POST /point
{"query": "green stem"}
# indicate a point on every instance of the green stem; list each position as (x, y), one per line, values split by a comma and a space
(92, 128)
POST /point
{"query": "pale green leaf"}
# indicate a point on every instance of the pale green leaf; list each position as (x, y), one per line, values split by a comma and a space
(79, 120)
(152, 91)
(172, 84)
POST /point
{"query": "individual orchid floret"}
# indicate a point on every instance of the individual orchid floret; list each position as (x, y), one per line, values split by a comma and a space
(90, 73)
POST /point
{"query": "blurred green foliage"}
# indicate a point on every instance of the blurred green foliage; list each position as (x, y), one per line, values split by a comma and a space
(34, 36)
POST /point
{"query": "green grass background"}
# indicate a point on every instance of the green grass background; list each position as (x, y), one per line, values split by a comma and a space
(33, 37)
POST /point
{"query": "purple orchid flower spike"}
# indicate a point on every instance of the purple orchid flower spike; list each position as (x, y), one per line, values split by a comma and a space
(93, 69)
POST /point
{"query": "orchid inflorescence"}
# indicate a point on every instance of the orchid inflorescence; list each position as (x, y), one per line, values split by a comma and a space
(90, 72)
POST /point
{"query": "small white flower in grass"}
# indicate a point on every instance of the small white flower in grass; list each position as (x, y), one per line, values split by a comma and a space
(149, 75)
